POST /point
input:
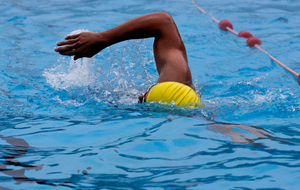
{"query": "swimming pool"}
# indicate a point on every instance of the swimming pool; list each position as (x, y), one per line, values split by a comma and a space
(77, 125)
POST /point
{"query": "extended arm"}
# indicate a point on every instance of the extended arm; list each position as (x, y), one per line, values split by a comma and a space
(169, 51)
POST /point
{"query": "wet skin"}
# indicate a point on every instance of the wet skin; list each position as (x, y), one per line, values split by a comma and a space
(169, 50)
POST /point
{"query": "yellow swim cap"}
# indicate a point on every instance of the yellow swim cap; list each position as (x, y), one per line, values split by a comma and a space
(174, 93)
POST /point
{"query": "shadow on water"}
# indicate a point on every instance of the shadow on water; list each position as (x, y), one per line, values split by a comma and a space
(19, 148)
(240, 134)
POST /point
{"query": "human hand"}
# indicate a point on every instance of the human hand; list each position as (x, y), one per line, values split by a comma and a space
(85, 44)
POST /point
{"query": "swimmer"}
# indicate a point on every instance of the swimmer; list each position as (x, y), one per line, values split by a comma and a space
(174, 84)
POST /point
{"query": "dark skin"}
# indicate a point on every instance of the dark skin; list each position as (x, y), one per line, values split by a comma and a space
(169, 50)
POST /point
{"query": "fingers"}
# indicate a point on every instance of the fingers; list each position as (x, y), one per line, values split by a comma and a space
(72, 36)
(67, 42)
(71, 52)
(77, 57)
(66, 48)
(76, 52)
(70, 46)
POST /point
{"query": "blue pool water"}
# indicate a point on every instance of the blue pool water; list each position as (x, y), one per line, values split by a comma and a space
(77, 125)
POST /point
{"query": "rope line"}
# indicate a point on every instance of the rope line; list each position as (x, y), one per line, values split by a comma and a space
(198, 7)
(251, 42)
(232, 31)
(213, 18)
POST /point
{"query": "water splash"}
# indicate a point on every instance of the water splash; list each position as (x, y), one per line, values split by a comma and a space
(71, 74)
(115, 76)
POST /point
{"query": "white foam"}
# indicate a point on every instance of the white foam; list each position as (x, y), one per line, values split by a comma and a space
(120, 77)
(78, 31)
(71, 74)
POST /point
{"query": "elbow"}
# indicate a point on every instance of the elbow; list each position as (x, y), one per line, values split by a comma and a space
(165, 18)
(165, 23)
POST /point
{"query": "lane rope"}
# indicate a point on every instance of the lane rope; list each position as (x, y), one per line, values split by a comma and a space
(251, 41)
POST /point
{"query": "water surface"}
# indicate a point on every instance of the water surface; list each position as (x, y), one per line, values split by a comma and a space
(77, 125)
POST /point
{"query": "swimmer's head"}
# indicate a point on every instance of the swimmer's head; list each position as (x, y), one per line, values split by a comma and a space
(172, 93)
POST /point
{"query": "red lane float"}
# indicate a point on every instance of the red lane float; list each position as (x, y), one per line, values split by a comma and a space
(245, 34)
(224, 24)
(252, 41)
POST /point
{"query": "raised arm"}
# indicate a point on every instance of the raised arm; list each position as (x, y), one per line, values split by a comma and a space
(169, 51)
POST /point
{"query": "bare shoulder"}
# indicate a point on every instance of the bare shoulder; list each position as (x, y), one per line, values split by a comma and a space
(170, 54)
